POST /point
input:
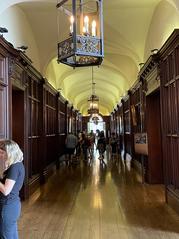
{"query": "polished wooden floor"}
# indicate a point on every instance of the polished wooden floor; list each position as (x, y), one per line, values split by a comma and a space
(93, 201)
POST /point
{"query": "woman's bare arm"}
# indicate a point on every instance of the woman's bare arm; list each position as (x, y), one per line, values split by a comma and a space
(7, 187)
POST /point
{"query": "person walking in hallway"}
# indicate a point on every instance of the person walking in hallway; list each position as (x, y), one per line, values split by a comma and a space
(113, 143)
(71, 142)
(101, 146)
(12, 172)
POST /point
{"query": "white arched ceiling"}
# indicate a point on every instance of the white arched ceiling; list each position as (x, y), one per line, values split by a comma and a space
(165, 17)
(20, 32)
(131, 29)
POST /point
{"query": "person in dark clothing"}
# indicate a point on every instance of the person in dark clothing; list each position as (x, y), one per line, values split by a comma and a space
(71, 142)
(84, 146)
(78, 146)
(101, 146)
(113, 143)
(12, 178)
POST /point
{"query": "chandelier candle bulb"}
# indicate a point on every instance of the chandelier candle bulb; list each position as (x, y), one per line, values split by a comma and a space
(86, 24)
(84, 30)
(93, 28)
(71, 25)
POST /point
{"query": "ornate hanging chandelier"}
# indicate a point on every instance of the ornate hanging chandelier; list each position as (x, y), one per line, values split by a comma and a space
(80, 30)
(93, 100)
(93, 105)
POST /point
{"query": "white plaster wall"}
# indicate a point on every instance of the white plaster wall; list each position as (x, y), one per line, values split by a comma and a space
(20, 32)
(164, 20)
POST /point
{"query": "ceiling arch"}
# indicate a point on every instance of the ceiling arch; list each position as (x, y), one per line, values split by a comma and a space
(99, 79)
(86, 92)
(110, 99)
(65, 71)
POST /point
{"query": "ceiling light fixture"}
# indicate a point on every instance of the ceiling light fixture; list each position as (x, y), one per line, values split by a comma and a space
(93, 102)
(81, 42)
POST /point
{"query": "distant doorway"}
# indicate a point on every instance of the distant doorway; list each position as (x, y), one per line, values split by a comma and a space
(100, 125)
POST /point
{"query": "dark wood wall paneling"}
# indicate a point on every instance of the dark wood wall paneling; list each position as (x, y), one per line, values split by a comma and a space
(154, 165)
(69, 115)
(73, 120)
(4, 104)
(169, 75)
(136, 108)
(127, 125)
(61, 125)
(156, 103)
(112, 122)
(51, 127)
(149, 75)
(35, 122)
(32, 114)
(79, 122)
(137, 117)
(4, 133)
(121, 127)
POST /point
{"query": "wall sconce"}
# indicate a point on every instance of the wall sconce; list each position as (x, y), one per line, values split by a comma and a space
(154, 51)
(3, 30)
(22, 48)
(141, 65)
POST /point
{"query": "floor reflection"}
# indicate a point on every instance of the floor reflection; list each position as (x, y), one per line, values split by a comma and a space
(98, 201)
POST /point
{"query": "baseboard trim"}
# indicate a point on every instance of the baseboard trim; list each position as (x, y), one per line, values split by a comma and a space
(172, 198)
(39, 179)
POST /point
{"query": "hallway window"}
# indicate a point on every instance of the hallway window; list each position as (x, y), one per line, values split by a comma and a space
(101, 125)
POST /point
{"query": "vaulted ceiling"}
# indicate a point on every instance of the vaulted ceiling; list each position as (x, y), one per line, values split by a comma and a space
(132, 28)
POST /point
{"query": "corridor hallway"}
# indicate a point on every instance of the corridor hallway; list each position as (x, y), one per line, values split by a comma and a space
(93, 201)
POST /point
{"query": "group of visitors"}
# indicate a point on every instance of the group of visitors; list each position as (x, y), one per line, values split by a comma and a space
(110, 145)
(77, 144)
(84, 143)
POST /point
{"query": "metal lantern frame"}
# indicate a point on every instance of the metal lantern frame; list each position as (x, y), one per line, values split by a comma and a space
(94, 105)
(94, 99)
(80, 49)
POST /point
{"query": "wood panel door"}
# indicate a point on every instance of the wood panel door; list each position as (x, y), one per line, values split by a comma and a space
(18, 117)
(155, 160)
(19, 131)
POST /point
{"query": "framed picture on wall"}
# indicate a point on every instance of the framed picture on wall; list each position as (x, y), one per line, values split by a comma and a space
(141, 143)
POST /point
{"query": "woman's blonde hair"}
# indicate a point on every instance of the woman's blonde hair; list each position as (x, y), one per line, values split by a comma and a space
(14, 153)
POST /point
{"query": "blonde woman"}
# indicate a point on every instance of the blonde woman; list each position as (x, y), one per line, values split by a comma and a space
(12, 177)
